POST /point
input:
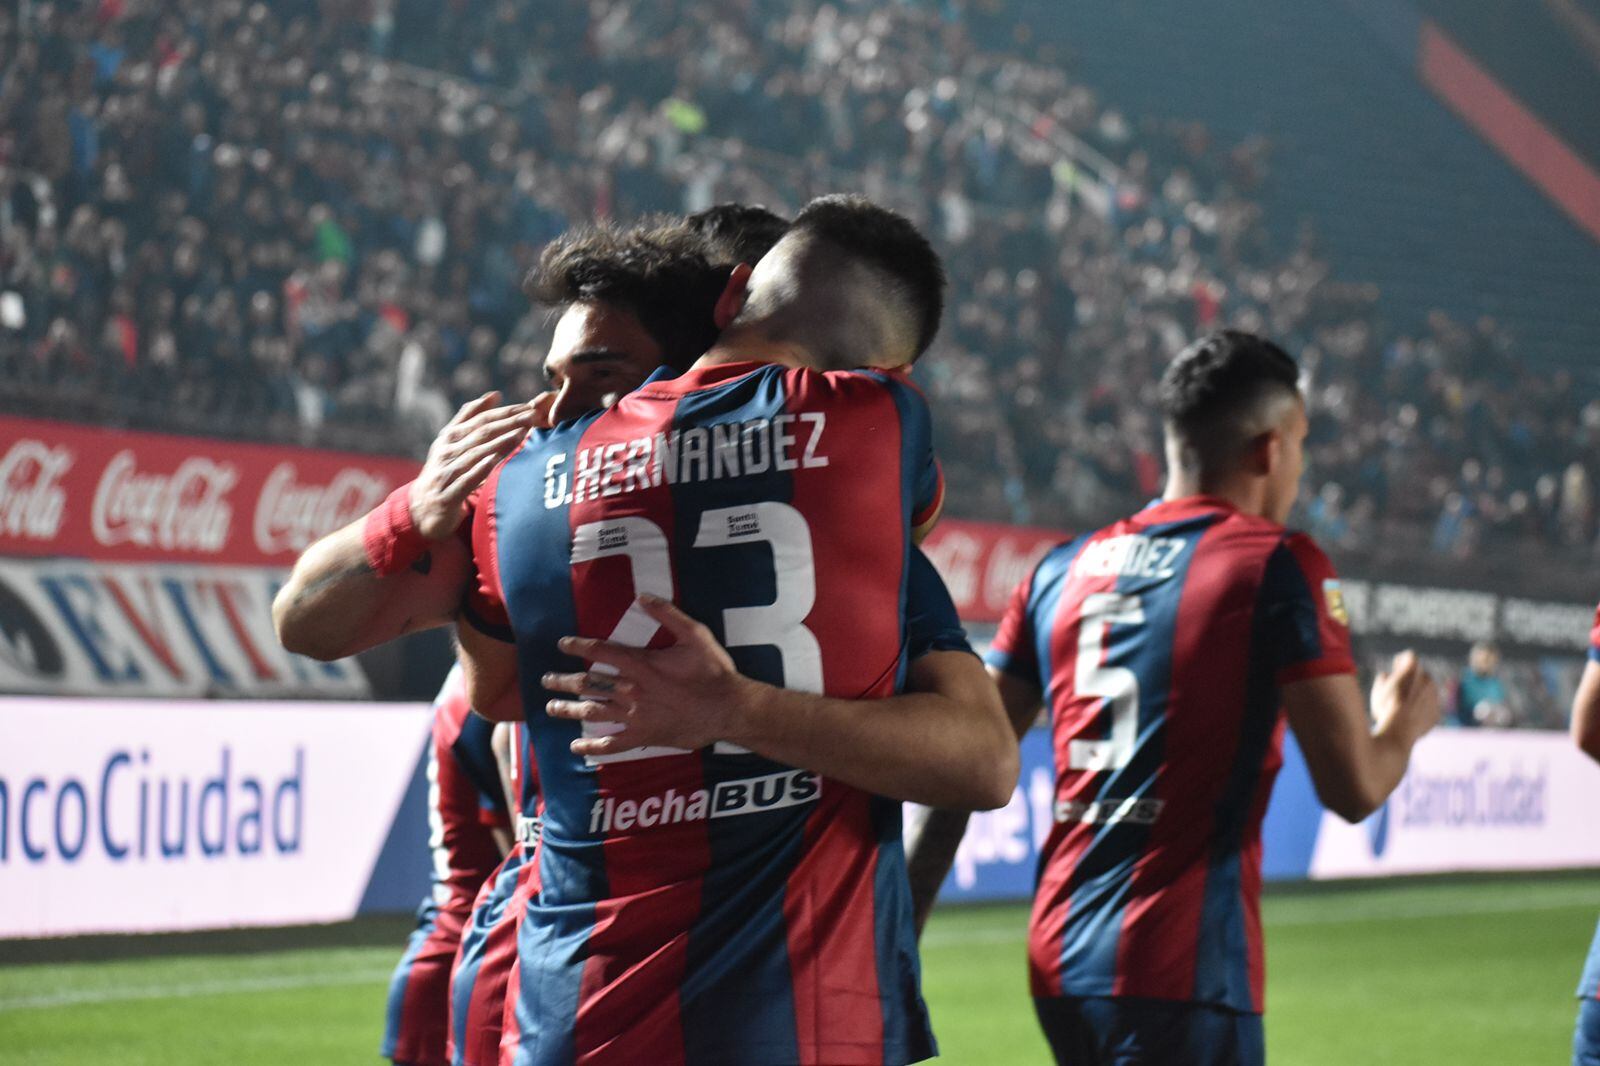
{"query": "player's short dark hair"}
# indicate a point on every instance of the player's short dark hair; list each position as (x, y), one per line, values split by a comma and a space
(891, 246)
(737, 233)
(1214, 393)
(657, 271)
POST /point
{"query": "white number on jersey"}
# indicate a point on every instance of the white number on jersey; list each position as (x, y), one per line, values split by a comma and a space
(779, 624)
(1116, 684)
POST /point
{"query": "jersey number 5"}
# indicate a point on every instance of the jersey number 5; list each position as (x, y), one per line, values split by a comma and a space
(780, 624)
(1117, 685)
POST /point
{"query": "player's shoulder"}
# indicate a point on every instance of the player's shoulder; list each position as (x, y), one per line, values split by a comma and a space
(528, 459)
(1056, 563)
(1243, 545)
(1257, 535)
(563, 434)
(560, 437)
(1281, 561)
(853, 385)
(1306, 553)
(1064, 551)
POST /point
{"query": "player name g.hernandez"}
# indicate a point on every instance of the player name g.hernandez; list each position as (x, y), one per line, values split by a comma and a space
(750, 795)
(702, 453)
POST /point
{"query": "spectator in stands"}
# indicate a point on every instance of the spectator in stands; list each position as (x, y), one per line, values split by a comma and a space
(1481, 694)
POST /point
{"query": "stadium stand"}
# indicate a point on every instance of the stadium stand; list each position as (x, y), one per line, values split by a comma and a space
(204, 235)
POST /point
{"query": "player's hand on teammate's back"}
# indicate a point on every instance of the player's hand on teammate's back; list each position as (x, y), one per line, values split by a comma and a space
(469, 446)
(684, 696)
(1406, 698)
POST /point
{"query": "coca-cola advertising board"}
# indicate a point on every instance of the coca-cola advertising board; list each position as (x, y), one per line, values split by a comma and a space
(68, 490)
(91, 493)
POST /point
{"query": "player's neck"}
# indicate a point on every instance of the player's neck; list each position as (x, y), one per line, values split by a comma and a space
(1246, 494)
(746, 346)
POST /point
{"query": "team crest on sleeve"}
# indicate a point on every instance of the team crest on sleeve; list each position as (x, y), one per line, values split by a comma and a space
(1333, 596)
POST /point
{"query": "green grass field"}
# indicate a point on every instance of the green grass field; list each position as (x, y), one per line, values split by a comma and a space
(1455, 973)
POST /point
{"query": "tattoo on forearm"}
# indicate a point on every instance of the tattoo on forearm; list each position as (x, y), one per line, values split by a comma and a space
(316, 587)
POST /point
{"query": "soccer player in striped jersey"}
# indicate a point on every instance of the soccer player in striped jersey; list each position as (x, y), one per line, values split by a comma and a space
(468, 832)
(571, 273)
(622, 298)
(328, 569)
(1168, 648)
(1586, 735)
(720, 886)
(486, 963)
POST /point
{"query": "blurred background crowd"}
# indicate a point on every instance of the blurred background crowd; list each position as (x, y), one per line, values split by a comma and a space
(307, 221)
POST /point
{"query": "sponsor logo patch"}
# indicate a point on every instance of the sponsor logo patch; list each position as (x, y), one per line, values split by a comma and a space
(1333, 596)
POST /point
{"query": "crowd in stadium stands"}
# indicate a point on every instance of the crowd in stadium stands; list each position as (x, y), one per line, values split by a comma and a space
(308, 221)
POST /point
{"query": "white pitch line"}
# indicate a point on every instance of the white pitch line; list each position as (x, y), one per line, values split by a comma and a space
(285, 982)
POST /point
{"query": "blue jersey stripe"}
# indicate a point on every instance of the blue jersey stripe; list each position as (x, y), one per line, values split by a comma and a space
(1044, 606)
(475, 941)
(547, 999)
(474, 752)
(544, 610)
(1032, 662)
(540, 600)
(932, 623)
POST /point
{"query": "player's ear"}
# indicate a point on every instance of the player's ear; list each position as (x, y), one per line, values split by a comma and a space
(1265, 452)
(734, 294)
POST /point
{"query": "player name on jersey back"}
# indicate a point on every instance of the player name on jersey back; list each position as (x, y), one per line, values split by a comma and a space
(700, 453)
(1130, 555)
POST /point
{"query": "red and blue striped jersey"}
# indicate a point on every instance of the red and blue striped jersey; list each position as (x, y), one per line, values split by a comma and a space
(716, 906)
(484, 966)
(1594, 637)
(487, 960)
(465, 799)
(1160, 644)
(464, 806)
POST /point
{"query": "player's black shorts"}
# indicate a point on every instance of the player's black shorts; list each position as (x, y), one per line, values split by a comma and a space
(1125, 1031)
